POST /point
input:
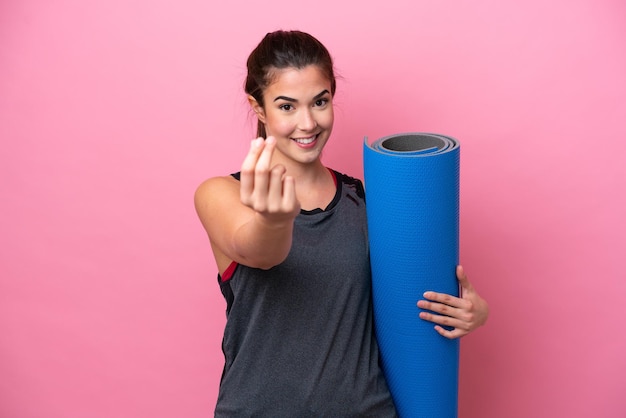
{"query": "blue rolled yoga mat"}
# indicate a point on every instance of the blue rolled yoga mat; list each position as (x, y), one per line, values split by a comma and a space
(412, 191)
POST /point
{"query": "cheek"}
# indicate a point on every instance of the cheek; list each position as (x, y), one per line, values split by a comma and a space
(278, 125)
(282, 126)
(326, 119)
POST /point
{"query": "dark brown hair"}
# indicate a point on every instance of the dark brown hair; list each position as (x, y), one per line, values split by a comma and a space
(284, 49)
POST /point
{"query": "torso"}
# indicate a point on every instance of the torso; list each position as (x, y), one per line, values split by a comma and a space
(299, 339)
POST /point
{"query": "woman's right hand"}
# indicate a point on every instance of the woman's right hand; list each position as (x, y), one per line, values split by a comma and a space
(266, 189)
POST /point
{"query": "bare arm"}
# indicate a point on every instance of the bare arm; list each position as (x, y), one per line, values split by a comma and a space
(250, 221)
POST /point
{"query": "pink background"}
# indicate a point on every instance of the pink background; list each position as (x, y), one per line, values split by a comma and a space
(112, 112)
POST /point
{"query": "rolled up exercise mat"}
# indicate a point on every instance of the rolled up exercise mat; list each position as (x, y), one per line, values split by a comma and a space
(412, 192)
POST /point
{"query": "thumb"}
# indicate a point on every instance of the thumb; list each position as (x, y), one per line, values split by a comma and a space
(464, 282)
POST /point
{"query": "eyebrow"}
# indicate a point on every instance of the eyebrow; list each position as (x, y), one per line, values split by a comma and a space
(289, 99)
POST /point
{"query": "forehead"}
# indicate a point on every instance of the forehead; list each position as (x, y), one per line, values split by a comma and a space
(298, 81)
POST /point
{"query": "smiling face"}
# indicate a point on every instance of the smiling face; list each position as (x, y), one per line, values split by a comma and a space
(298, 112)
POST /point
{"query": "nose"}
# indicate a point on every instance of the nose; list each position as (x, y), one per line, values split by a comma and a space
(307, 121)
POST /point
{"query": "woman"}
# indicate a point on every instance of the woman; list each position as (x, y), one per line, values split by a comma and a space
(289, 237)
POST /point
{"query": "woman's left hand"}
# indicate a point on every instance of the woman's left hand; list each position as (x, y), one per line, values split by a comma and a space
(462, 314)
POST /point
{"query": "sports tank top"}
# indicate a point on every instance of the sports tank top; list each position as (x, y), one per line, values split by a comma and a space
(299, 338)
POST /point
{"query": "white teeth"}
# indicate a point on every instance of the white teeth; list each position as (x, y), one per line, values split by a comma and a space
(305, 141)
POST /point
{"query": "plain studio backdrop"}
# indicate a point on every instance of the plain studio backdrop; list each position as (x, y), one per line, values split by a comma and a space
(112, 112)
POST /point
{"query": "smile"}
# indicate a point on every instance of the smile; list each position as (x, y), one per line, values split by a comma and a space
(306, 141)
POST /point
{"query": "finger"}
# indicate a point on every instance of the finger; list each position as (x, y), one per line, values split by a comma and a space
(450, 334)
(462, 278)
(250, 161)
(262, 173)
(290, 201)
(465, 315)
(439, 308)
(247, 170)
(445, 321)
(265, 158)
(275, 192)
(443, 299)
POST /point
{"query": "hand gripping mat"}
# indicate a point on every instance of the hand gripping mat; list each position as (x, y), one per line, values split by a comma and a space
(412, 191)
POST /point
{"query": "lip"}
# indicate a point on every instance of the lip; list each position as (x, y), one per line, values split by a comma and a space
(307, 145)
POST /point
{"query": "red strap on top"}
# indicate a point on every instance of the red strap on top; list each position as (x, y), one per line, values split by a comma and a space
(228, 273)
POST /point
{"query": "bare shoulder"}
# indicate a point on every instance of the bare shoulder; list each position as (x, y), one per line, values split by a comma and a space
(219, 208)
(213, 193)
(215, 186)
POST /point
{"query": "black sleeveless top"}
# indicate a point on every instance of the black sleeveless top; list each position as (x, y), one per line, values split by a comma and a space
(299, 338)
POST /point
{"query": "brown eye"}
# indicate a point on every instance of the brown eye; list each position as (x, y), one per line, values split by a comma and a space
(321, 102)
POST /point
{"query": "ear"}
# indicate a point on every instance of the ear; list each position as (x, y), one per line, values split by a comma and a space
(258, 109)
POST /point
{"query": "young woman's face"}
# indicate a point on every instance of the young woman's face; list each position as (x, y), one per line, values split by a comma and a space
(298, 112)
